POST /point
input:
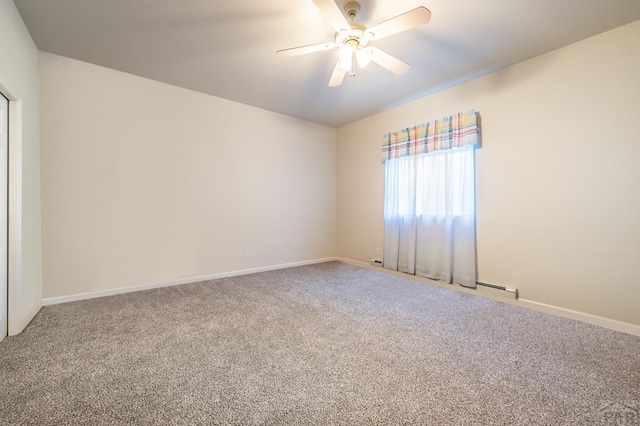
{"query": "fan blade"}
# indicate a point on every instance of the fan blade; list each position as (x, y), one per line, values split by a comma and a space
(303, 50)
(389, 62)
(334, 15)
(337, 76)
(411, 19)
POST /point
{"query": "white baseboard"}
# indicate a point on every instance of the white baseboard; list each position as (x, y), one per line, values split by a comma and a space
(524, 303)
(112, 292)
(609, 323)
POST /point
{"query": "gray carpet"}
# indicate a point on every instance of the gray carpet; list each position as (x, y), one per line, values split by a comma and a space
(315, 345)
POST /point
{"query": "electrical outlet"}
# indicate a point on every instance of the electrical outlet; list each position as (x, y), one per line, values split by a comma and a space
(378, 251)
(246, 254)
(264, 252)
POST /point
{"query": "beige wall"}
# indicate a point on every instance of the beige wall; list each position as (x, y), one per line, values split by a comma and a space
(19, 77)
(145, 182)
(558, 175)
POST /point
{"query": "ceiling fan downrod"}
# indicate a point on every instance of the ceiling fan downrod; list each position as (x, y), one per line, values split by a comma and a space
(352, 8)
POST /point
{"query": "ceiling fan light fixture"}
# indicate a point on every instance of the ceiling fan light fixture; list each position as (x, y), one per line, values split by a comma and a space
(352, 71)
(349, 58)
(363, 55)
(346, 57)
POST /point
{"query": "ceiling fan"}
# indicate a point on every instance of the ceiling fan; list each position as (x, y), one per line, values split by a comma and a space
(352, 39)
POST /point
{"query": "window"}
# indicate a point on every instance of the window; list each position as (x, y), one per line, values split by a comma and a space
(442, 183)
(429, 207)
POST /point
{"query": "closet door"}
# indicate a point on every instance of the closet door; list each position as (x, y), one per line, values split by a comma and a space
(4, 169)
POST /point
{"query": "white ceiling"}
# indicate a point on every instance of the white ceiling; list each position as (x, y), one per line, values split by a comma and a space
(227, 48)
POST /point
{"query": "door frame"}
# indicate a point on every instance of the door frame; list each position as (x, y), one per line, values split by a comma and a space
(14, 214)
(4, 211)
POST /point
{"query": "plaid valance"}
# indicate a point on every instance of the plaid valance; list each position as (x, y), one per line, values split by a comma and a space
(455, 131)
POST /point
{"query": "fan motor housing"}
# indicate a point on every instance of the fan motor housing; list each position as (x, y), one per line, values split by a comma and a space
(356, 36)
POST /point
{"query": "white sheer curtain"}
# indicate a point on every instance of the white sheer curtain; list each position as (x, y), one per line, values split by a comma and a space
(429, 215)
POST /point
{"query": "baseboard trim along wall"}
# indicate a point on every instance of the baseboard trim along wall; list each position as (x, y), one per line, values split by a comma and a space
(524, 303)
(103, 293)
(611, 324)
